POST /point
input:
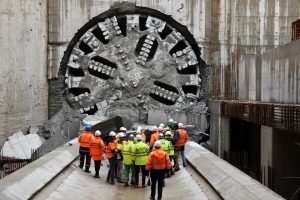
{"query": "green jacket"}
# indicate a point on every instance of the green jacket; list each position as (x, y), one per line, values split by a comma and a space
(171, 153)
(127, 152)
(120, 147)
(140, 153)
(165, 145)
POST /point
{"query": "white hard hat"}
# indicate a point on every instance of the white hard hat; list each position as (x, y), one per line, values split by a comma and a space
(131, 136)
(168, 133)
(112, 134)
(123, 129)
(171, 120)
(138, 131)
(139, 137)
(97, 133)
(157, 144)
(154, 128)
(160, 128)
(160, 136)
(139, 128)
(180, 125)
(162, 125)
(121, 135)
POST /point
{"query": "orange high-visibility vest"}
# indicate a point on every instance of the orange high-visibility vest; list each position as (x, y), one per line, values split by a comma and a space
(158, 159)
(154, 137)
(111, 149)
(96, 148)
(182, 137)
(85, 138)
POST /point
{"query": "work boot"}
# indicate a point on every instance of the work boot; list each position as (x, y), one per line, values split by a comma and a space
(158, 198)
(164, 185)
(143, 186)
(120, 181)
(87, 171)
(96, 176)
(112, 182)
(107, 180)
(132, 183)
(176, 170)
(126, 185)
(152, 198)
(80, 166)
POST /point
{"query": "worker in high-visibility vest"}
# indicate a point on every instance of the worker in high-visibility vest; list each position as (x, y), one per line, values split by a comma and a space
(96, 150)
(169, 138)
(140, 151)
(180, 138)
(120, 143)
(84, 140)
(158, 163)
(154, 136)
(128, 161)
(111, 154)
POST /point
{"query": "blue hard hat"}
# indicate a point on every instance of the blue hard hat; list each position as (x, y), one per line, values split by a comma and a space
(88, 127)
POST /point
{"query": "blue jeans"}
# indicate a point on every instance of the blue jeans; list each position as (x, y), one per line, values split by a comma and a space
(183, 156)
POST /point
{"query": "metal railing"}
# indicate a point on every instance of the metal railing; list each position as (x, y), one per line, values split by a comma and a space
(285, 117)
(9, 165)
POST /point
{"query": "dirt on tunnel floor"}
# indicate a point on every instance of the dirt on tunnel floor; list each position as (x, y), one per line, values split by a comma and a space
(74, 183)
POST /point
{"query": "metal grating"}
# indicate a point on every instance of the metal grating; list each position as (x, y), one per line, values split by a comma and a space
(296, 30)
(281, 116)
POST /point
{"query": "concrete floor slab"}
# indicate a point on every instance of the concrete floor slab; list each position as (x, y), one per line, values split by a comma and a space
(80, 185)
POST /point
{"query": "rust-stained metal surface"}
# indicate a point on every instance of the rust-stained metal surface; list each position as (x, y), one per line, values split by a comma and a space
(296, 30)
(285, 117)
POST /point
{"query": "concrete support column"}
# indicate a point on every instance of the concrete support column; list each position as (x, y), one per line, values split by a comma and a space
(219, 130)
(266, 155)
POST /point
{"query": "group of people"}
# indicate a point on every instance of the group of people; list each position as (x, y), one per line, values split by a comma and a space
(149, 150)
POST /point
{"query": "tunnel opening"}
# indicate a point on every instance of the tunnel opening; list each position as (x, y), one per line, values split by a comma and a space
(104, 61)
(99, 35)
(245, 147)
(166, 86)
(285, 172)
(78, 91)
(165, 32)
(140, 44)
(85, 48)
(90, 110)
(76, 72)
(189, 69)
(164, 93)
(122, 22)
(98, 74)
(102, 68)
(178, 47)
(146, 48)
(161, 99)
(190, 89)
(142, 23)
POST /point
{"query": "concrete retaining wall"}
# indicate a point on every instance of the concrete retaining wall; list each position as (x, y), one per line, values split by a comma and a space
(23, 64)
(30, 179)
(228, 181)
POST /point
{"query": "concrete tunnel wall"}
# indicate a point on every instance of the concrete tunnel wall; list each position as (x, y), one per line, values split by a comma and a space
(23, 64)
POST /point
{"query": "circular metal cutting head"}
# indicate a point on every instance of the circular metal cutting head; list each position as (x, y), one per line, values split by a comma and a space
(137, 59)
